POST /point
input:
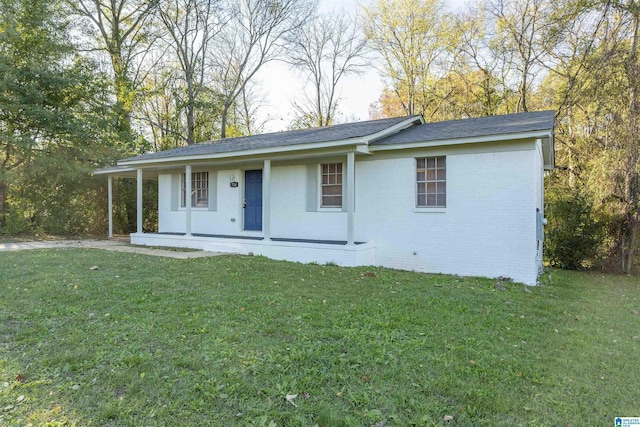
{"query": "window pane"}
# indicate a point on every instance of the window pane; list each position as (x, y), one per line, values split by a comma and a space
(431, 178)
(331, 187)
(331, 190)
(332, 201)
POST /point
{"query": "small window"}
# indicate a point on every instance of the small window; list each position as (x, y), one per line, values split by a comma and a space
(331, 185)
(199, 190)
(431, 180)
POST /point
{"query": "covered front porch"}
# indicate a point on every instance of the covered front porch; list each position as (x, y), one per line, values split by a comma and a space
(224, 224)
(298, 250)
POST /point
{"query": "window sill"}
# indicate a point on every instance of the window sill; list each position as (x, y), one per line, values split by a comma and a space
(200, 208)
(430, 210)
(329, 209)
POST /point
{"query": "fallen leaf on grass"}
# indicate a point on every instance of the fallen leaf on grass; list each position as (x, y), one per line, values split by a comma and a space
(20, 378)
(290, 398)
(368, 274)
(447, 418)
(378, 424)
(634, 312)
(95, 267)
(20, 398)
(366, 378)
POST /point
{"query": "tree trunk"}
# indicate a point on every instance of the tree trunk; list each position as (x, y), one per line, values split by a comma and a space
(3, 202)
(191, 123)
(631, 251)
(632, 172)
(223, 121)
(124, 97)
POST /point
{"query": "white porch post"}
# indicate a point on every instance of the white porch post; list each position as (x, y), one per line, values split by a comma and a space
(266, 200)
(187, 201)
(139, 199)
(110, 196)
(351, 205)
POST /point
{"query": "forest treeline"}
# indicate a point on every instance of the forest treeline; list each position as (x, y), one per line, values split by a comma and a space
(86, 82)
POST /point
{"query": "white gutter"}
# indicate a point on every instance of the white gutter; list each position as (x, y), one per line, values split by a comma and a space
(113, 170)
(247, 153)
(457, 141)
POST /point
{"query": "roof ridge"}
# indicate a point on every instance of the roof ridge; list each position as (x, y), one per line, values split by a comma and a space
(491, 116)
(317, 128)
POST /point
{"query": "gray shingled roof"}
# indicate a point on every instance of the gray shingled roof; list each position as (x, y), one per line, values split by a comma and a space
(278, 139)
(469, 128)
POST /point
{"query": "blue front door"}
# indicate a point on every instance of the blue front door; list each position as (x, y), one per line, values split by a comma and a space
(253, 200)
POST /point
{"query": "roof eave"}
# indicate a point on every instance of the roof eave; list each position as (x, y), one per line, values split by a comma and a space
(247, 153)
(547, 133)
(548, 153)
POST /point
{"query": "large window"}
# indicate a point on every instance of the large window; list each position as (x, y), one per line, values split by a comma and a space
(431, 179)
(199, 190)
(331, 195)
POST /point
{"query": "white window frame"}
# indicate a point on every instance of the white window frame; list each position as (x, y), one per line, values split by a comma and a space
(439, 180)
(201, 177)
(335, 208)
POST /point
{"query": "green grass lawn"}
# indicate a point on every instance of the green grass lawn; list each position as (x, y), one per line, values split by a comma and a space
(146, 341)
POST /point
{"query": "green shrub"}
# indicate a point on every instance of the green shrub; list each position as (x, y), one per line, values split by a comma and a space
(574, 233)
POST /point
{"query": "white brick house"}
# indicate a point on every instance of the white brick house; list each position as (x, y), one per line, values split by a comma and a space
(458, 197)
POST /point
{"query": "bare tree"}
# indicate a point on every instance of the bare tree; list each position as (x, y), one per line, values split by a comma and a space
(525, 36)
(409, 36)
(191, 26)
(248, 105)
(254, 36)
(125, 33)
(161, 110)
(478, 58)
(326, 49)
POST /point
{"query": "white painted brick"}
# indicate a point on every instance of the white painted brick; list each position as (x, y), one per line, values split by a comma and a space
(488, 228)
